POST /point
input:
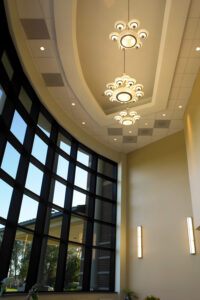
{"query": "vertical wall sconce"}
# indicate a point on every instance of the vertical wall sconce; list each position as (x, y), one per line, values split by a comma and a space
(191, 235)
(139, 241)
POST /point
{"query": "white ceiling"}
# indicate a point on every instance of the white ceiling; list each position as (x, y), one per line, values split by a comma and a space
(79, 49)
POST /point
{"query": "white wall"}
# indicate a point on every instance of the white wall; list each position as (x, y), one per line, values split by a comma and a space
(159, 200)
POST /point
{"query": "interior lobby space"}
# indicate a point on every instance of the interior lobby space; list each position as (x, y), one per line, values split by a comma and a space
(100, 149)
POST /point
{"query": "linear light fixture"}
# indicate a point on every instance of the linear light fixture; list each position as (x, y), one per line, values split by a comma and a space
(191, 235)
(139, 241)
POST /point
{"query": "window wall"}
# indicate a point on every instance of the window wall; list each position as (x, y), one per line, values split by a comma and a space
(57, 197)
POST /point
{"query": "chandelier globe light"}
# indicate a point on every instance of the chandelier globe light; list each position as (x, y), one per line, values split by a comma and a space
(127, 118)
(124, 90)
(128, 35)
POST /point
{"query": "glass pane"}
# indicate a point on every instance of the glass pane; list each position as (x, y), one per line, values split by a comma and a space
(34, 179)
(104, 188)
(5, 197)
(2, 228)
(79, 202)
(106, 168)
(61, 166)
(103, 235)
(74, 268)
(10, 160)
(59, 194)
(20, 261)
(50, 264)
(84, 158)
(44, 125)
(104, 211)
(18, 127)
(77, 230)
(28, 212)
(55, 222)
(7, 65)
(39, 149)
(25, 100)
(82, 178)
(63, 143)
(2, 99)
(100, 272)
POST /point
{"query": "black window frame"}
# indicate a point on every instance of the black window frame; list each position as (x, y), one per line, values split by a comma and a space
(12, 89)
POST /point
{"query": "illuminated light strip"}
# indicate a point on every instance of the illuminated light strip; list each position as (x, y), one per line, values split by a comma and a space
(139, 241)
(191, 235)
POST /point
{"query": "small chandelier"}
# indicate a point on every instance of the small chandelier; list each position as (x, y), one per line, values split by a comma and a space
(127, 118)
(128, 37)
(124, 90)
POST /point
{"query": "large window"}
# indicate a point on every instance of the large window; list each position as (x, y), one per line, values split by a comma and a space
(57, 197)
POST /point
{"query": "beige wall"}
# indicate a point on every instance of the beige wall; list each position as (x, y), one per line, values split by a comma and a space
(159, 200)
(192, 138)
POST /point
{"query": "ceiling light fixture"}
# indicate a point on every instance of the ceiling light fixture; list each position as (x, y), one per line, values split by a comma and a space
(180, 106)
(73, 103)
(127, 118)
(197, 49)
(42, 48)
(83, 123)
(124, 89)
(164, 115)
(128, 36)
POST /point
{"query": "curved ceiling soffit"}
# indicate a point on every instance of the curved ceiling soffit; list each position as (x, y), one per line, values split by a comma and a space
(171, 37)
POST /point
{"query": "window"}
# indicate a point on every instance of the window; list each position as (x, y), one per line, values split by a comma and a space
(63, 225)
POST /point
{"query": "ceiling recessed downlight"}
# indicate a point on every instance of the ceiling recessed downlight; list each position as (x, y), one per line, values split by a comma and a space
(180, 106)
(73, 103)
(83, 123)
(115, 139)
(164, 115)
(42, 48)
(197, 49)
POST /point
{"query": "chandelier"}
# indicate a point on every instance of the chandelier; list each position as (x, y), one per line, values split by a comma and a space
(124, 90)
(127, 118)
(128, 36)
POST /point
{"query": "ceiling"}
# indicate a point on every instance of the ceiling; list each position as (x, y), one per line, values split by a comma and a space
(79, 59)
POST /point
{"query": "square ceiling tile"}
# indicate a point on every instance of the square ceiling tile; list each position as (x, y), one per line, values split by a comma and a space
(186, 48)
(188, 80)
(129, 139)
(47, 65)
(115, 131)
(162, 123)
(35, 29)
(178, 124)
(184, 93)
(53, 79)
(34, 48)
(192, 65)
(29, 9)
(191, 28)
(181, 65)
(160, 132)
(145, 131)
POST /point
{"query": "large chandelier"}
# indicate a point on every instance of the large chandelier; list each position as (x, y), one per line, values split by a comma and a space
(127, 118)
(128, 36)
(124, 90)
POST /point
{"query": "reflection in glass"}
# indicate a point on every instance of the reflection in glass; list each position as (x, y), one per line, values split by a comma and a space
(10, 160)
(77, 230)
(61, 166)
(18, 127)
(5, 197)
(25, 100)
(103, 235)
(50, 264)
(63, 143)
(104, 211)
(34, 179)
(74, 268)
(39, 149)
(105, 168)
(2, 99)
(83, 157)
(55, 222)
(79, 204)
(44, 125)
(104, 188)
(28, 212)
(7, 65)
(59, 194)
(100, 272)
(81, 178)
(19, 261)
